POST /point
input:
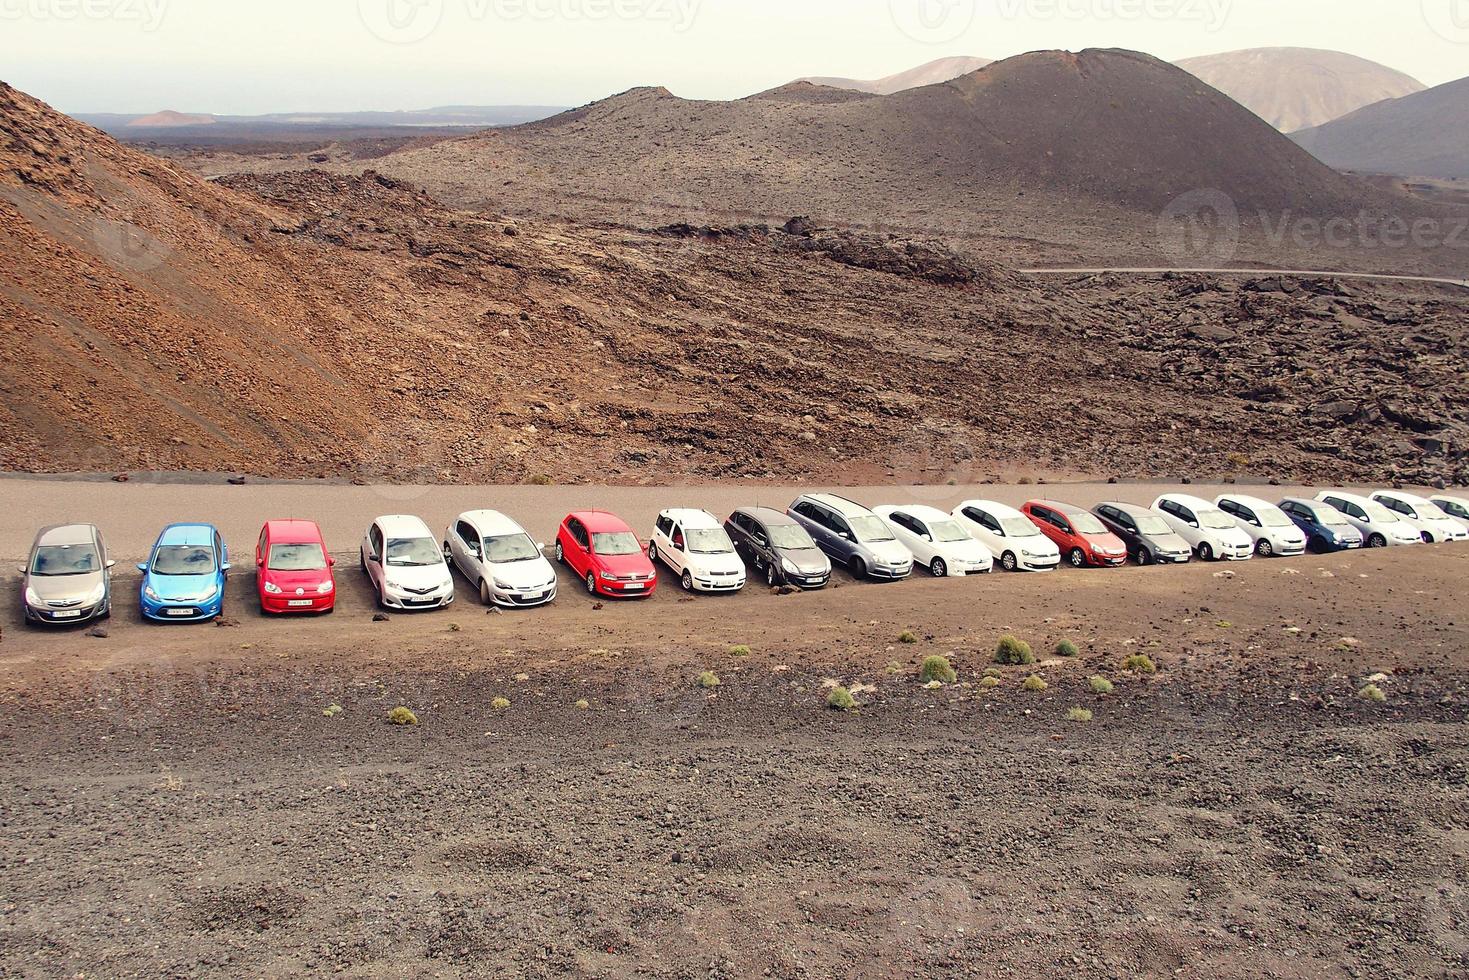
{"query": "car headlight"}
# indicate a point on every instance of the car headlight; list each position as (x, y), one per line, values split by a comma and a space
(272, 588)
(787, 566)
(608, 577)
(31, 598)
(325, 587)
(393, 585)
(213, 591)
(95, 596)
(502, 585)
(148, 591)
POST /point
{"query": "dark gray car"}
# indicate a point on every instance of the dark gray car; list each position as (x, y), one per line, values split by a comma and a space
(853, 536)
(68, 578)
(1149, 539)
(774, 545)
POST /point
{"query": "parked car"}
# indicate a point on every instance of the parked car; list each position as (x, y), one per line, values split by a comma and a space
(1008, 534)
(1148, 537)
(68, 576)
(1211, 532)
(185, 575)
(604, 553)
(937, 541)
(1380, 527)
(405, 565)
(775, 545)
(1272, 530)
(1326, 528)
(696, 548)
(1455, 507)
(853, 536)
(1428, 518)
(1077, 534)
(495, 553)
(293, 573)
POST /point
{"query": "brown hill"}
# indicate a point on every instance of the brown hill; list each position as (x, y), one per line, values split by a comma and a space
(1422, 135)
(350, 326)
(168, 118)
(932, 73)
(1297, 88)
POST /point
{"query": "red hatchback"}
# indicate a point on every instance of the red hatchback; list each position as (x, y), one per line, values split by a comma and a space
(606, 555)
(293, 571)
(1082, 538)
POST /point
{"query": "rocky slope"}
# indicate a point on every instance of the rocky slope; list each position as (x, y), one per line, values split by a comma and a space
(931, 73)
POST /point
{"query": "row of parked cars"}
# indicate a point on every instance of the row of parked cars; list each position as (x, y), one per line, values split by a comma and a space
(67, 578)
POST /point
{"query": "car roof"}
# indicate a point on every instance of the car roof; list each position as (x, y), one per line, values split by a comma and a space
(1354, 498)
(1246, 499)
(491, 522)
(923, 512)
(188, 534)
(403, 526)
(1133, 510)
(768, 516)
(1405, 497)
(66, 534)
(1187, 500)
(599, 521)
(1461, 501)
(1302, 501)
(692, 520)
(994, 507)
(840, 504)
(1060, 507)
(293, 531)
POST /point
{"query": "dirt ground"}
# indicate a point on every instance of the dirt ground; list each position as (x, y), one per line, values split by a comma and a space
(179, 805)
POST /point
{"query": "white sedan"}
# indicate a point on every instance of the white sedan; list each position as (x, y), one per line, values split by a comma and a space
(1011, 535)
(937, 541)
(496, 554)
(1380, 527)
(1211, 532)
(1455, 507)
(1427, 517)
(1275, 534)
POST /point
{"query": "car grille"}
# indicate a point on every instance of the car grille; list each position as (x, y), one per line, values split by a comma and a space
(432, 588)
(632, 578)
(64, 603)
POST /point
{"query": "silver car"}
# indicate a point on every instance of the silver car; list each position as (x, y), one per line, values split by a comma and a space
(68, 578)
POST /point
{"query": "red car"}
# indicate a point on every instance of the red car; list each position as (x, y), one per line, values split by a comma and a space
(1082, 538)
(606, 555)
(293, 571)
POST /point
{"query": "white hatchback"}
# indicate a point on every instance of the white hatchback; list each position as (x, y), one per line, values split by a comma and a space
(402, 560)
(1274, 533)
(496, 554)
(1211, 532)
(1455, 507)
(1380, 527)
(937, 541)
(697, 548)
(1432, 522)
(1009, 534)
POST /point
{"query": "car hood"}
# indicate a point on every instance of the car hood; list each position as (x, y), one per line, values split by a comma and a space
(1291, 533)
(182, 587)
(291, 581)
(523, 574)
(728, 562)
(1167, 542)
(891, 552)
(417, 576)
(1232, 535)
(637, 564)
(64, 588)
(1106, 542)
(970, 550)
(1037, 544)
(808, 561)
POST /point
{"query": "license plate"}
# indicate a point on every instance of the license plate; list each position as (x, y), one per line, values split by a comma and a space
(633, 586)
(299, 603)
(179, 612)
(67, 614)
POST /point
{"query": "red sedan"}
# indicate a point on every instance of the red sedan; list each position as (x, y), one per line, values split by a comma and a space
(1083, 539)
(605, 554)
(293, 571)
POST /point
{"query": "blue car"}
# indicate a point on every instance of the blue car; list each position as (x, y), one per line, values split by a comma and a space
(1325, 528)
(184, 577)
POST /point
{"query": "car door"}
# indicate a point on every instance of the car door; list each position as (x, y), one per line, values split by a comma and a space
(814, 520)
(577, 548)
(987, 529)
(918, 539)
(842, 538)
(373, 556)
(677, 553)
(222, 554)
(763, 554)
(466, 550)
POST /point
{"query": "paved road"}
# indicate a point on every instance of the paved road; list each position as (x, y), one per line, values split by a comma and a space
(1461, 283)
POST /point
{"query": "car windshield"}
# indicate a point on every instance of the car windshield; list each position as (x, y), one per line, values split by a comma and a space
(1272, 517)
(1216, 520)
(614, 543)
(1150, 524)
(948, 532)
(1087, 524)
(413, 552)
(183, 559)
(1378, 513)
(509, 548)
(709, 541)
(870, 529)
(1433, 512)
(1330, 517)
(296, 558)
(66, 559)
(1019, 527)
(790, 537)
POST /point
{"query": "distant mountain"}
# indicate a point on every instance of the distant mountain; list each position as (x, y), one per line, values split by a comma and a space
(470, 117)
(168, 118)
(1296, 88)
(1420, 135)
(933, 73)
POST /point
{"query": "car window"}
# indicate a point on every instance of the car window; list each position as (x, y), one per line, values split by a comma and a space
(665, 526)
(837, 523)
(375, 541)
(260, 547)
(577, 531)
(466, 532)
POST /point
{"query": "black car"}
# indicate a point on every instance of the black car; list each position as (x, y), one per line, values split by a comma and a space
(1149, 540)
(774, 545)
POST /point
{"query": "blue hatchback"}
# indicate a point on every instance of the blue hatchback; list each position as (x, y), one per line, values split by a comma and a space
(184, 576)
(1325, 528)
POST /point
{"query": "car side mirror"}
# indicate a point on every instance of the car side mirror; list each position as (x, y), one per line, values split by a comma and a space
(259, 562)
(540, 546)
(110, 564)
(142, 566)
(23, 570)
(225, 567)
(928, 538)
(331, 562)
(1193, 524)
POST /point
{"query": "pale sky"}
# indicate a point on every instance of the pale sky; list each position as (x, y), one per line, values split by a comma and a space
(257, 56)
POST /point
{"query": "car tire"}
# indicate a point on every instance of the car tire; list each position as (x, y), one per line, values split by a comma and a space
(1144, 557)
(653, 551)
(484, 593)
(1206, 553)
(1264, 549)
(591, 583)
(1377, 541)
(1317, 544)
(939, 568)
(858, 567)
(1077, 558)
(687, 581)
(1427, 538)
(1008, 561)
(770, 576)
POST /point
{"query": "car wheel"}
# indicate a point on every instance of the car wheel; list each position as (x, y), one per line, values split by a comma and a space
(1008, 562)
(591, 583)
(1427, 538)
(1377, 541)
(484, 593)
(652, 550)
(362, 560)
(1144, 556)
(939, 569)
(1077, 558)
(858, 567)
(448, 554)
(770, 575)
(687, 582)
(1206, 553)
(1265, 549)
(1317, 544)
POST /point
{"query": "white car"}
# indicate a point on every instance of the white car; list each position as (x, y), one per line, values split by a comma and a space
(403, 560)
(1008, 534)
(1274, 533)
(1211, 532)
(1380, 527)
(937, 541)
(496, 554)
(1455, 507)
(1431, 521)
(699, 551)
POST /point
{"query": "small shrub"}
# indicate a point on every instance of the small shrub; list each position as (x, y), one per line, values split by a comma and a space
(994, 672)
(1100, 685)
(332, 711)
(908, 636)
(455, 628)
(1372, 693)
(1140, 663)
(739, 650)
(894, 667)
(708, 679)
(933, 686)
(1237, 461)
(1078, 714)
(1067, 649)
(500, 704)
(1035, 683)
(1225, 624)
(402, 716)
(1025, 481)
(583, 705)
(938, 669)
(840, 699)
(1013, 651)
(540, 480)
(990, 683)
